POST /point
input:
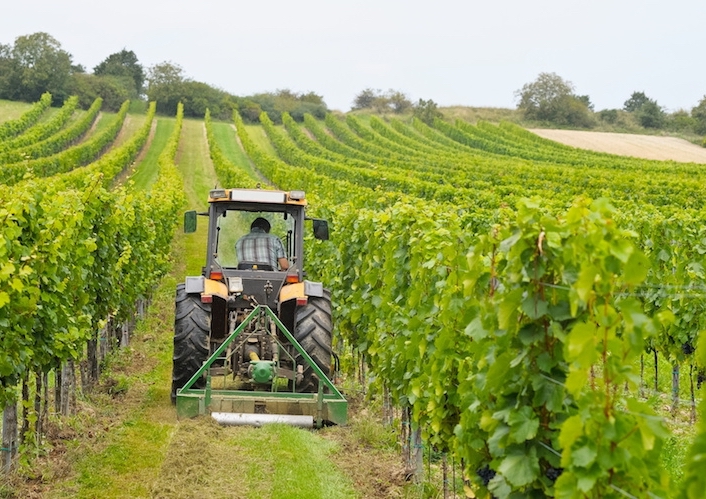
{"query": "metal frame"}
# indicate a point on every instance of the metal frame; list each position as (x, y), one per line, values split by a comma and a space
(331, 407)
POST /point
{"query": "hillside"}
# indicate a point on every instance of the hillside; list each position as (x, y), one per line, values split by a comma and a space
(488, 312)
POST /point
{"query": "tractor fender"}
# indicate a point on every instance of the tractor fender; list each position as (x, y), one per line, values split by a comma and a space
(206, 287)
(301, 290)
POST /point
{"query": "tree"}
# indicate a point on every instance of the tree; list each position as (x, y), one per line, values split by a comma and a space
(608, 115)
(35, 64)
(166, 86)
(88, 87)
(365, 99)
(551, 98)
(648, 113)
(635, 102)
(427, 111)
(586, 101)
(680, 120)
(392, 100)
(249, 110)
(283, 101)
(6, 70)
(123, 64)
(651, 115)
(699, 115)
(399, 102)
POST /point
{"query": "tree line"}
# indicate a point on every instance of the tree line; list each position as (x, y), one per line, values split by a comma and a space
(553, 100)
(36, 63)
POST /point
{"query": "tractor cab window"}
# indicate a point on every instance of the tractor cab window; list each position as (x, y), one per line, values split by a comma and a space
(257, 243)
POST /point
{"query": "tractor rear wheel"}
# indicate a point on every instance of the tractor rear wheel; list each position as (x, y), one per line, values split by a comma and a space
(191, 331)
(313, 329)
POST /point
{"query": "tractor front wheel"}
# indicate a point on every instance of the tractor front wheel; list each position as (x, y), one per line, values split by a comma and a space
(313, 329)
(191, 330)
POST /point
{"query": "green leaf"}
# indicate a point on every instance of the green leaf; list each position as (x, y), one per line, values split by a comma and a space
(584, 456)
(621, 249)
(523, 425)
(636, 268)
(475, 329)
(520, 468)
(534, 307)
(507, 310)
(585, 281)
(581, 342)
(571, 430)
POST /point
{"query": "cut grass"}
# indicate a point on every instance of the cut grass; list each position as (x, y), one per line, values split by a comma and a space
(146, 171)
(275, 461)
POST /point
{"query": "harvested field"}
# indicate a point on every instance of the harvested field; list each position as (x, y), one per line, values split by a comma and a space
(625, 144)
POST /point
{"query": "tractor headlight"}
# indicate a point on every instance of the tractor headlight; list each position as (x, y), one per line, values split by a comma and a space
(217, 194)
(235, 284)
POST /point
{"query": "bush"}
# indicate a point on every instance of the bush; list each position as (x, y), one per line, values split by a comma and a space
(318, 111)
(383, 102)
(698, 113)
(550, 98)
(609, 116)
(88, 87)
(427, 111)
(651, 115)
(680, 121)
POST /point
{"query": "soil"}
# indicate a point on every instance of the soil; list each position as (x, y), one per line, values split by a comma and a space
(625, 144)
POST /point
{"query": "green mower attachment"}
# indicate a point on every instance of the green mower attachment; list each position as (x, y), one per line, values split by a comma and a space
(274, 397)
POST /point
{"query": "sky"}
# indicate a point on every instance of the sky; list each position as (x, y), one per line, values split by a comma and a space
(469, 53)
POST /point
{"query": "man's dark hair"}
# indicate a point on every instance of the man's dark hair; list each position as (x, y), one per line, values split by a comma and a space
(260, 223)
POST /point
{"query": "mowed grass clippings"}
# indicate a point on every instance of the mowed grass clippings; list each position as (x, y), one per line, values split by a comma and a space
(276, 462)
(367, 452)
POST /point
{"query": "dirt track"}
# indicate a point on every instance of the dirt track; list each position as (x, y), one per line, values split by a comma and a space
(639, 146)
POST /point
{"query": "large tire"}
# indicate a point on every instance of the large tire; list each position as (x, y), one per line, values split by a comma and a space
(313, 329)
(191, 330)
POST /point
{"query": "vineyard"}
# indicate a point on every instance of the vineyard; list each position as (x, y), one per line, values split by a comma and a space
(526, 309)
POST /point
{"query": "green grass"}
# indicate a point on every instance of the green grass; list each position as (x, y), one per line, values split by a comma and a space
(257, 134)
(132, 123)
(11, 110)
(226, 138)
(123, 461)
(146, 170)
(195, 166)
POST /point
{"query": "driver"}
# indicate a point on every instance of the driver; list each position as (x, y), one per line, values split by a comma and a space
(261, 246)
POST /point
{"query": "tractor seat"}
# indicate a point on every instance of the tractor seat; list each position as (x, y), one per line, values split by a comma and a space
(254, 266)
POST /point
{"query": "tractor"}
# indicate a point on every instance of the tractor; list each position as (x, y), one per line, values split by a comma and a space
(253, 337)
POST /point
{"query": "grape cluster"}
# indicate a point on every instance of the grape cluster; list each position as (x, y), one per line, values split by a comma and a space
(553, 473)
(485, 474)
(687, 348)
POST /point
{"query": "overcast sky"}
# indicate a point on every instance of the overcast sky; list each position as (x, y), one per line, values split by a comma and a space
(473, 53)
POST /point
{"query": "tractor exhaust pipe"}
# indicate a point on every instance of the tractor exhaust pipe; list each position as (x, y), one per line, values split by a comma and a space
(243, 419)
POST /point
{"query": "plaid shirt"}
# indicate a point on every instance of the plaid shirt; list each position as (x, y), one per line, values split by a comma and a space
(259, 246)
